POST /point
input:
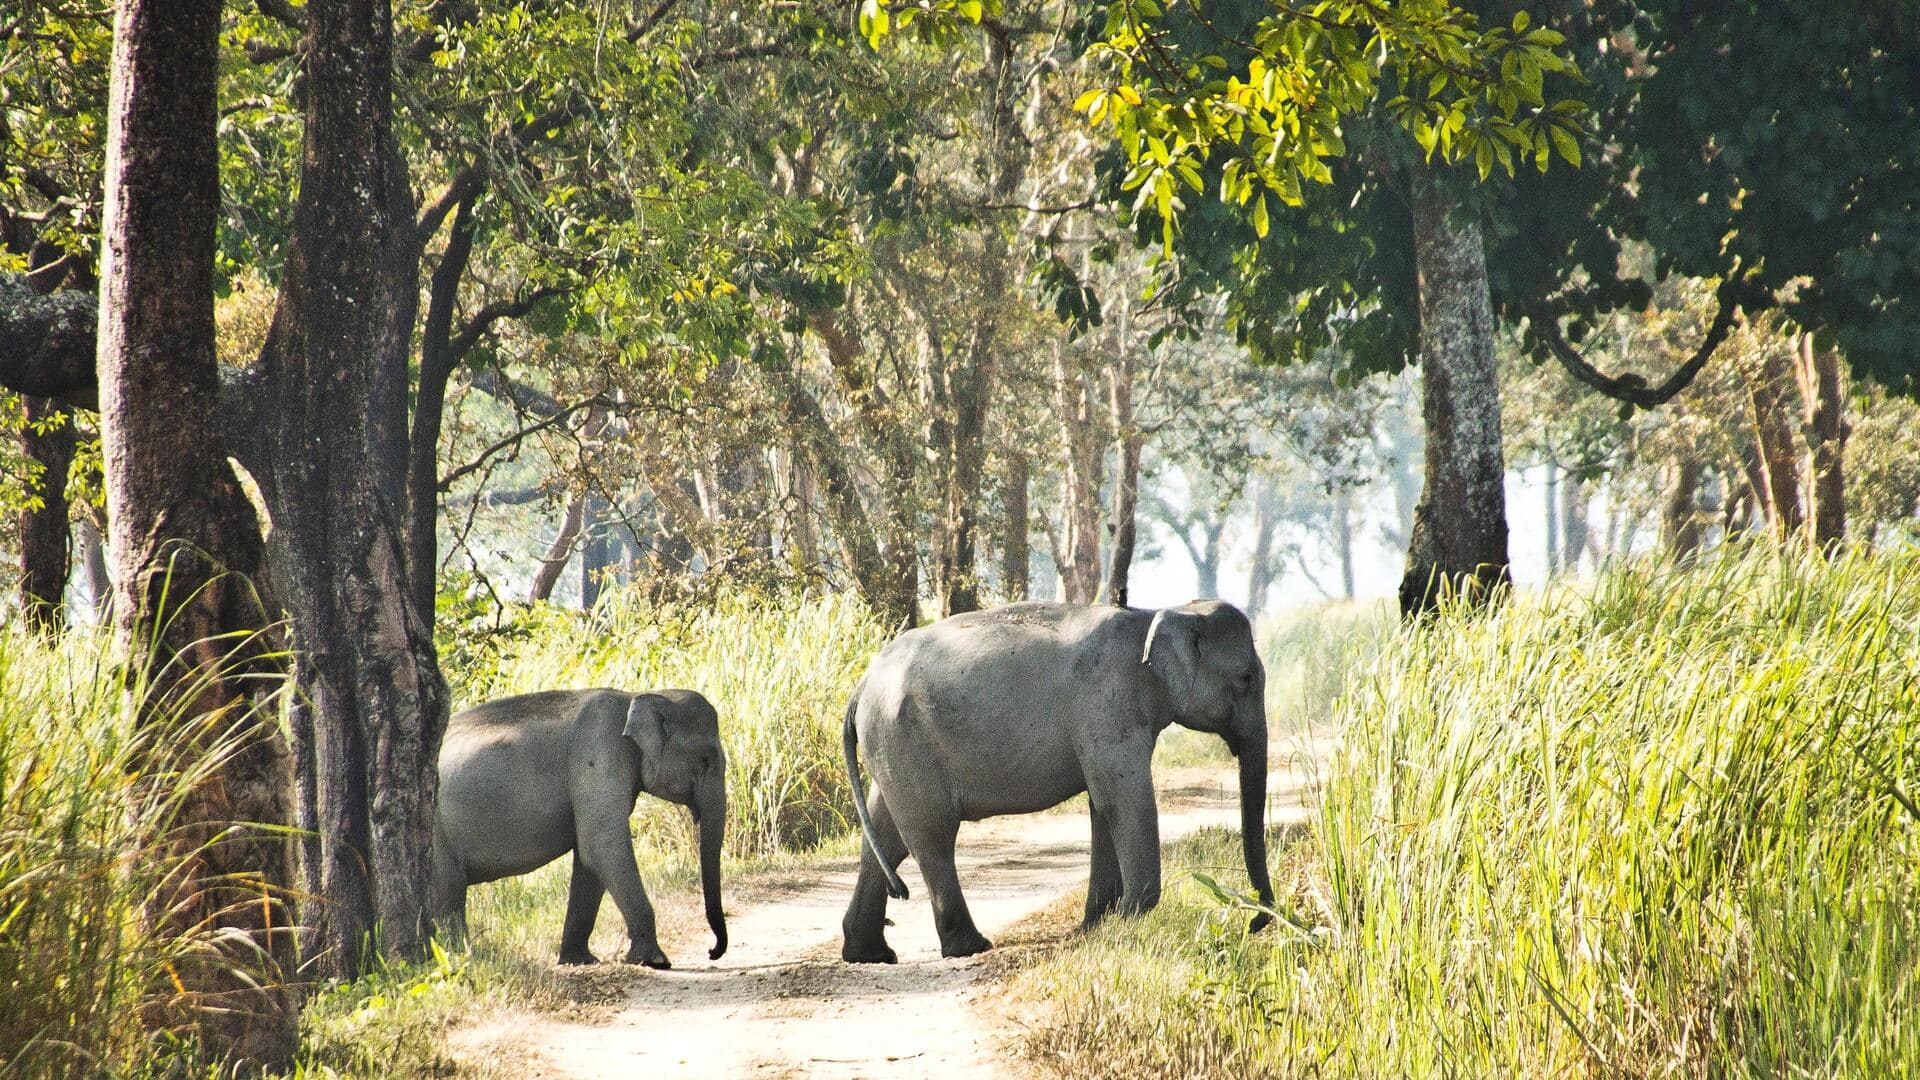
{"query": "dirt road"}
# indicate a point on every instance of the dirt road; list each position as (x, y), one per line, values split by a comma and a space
(781, 1004)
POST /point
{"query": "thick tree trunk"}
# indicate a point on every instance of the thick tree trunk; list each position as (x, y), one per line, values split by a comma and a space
(46, 551)
(1206, 562)
(375, 705)
(1459, 541)
(1016, 552)
(1126, 488)
(185, 539)
(1823, 400)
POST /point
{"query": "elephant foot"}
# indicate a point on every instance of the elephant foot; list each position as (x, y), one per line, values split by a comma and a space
(966, 943)
(877, 953)
(651, 956)
(577, 955)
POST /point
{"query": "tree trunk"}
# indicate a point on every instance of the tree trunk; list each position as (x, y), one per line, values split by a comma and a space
(1126, 488)
(1574, 529)
(1079, 561)
(970, 391)
(46, 552)
(1822, 395)
(560, 552)
(94, 578)
(374, 705)
(1459, 541)
(1552, 500)
(803, 537)
(1778, 490)
(1343, 538)
(186, 540)
(423, 446)
(897, 589)
(596, 550)
(1206, 563)
(1266, 505)
(1016, 553)
(1679, 518)
(852, 523)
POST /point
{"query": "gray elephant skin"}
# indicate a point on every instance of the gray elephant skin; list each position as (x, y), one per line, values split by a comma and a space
(1015, 709)
(526, 779)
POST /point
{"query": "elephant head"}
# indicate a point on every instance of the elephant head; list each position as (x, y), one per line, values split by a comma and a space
(682, 761)
(1203, 653)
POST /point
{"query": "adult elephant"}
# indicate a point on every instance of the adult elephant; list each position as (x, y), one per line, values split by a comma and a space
(1016, 709)
(524, 780)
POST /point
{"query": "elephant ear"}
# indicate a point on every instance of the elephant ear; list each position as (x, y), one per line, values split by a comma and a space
(1173, 652)
(647, 725)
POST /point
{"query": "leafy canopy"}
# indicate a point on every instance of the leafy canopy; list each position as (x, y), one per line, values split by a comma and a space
(1277, 105)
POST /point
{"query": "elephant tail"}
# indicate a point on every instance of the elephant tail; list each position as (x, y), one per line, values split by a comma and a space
(850, 741)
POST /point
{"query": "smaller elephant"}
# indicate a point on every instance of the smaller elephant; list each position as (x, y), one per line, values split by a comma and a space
(526, 779)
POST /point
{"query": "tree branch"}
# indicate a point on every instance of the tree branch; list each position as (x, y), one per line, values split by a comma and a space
(47, 342)
(283, 12)
(495, 383)
(645, 26)
(557, 418)
(1632, 388)
(483, 320)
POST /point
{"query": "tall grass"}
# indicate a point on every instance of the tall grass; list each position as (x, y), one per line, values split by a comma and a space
(90, 805)
(1311, 654)
(1663, 826)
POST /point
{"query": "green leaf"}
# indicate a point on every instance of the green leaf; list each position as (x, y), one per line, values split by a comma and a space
(1564, 142)
(1259, 216)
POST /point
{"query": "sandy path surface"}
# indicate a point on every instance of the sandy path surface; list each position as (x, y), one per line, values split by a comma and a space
(782, 1004)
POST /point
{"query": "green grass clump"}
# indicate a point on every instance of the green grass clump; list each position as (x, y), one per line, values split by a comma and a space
(89, 809)
(1664, 825)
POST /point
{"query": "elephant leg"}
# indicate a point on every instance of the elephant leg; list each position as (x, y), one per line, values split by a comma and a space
(608, 853)
(584, 893)
(447, 895)
(932, 845)
(1103, 883)
(863, 930)
(1120, 789)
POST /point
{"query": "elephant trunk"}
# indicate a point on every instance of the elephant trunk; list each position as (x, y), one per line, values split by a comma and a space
(1250, 743)
(711, 812)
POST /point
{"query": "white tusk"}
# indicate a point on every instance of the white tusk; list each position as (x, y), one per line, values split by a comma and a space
(1146, 654)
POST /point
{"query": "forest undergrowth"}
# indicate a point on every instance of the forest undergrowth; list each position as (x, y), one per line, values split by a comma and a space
(1662, 823)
